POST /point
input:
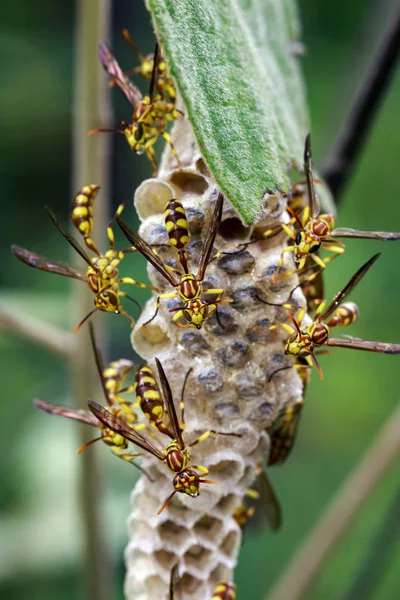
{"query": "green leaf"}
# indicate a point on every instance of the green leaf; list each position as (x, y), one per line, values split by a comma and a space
(235, 69)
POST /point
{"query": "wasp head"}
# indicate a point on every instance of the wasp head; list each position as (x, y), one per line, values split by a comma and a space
(306, 242)
(135, 136)
(187, 482)
(108, 301)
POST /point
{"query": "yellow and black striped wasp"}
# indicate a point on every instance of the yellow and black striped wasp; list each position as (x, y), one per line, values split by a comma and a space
(304, 339)
(188, 287)
(317, 230)
(150, 399)
(176, 454)
(225, 590)
(164, 83)
(102, 273)
(123, 409)
(150, 113)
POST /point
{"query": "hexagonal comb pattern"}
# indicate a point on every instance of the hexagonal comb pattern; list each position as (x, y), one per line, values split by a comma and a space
(228, 390)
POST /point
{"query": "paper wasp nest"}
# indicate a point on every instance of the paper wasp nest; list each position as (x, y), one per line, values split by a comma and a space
(228, 389)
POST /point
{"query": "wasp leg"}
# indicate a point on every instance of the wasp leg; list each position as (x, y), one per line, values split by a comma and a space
(200, 468)
(161, 297)
(134, 282)
(110, 233)
(167, 138)
(275, 276)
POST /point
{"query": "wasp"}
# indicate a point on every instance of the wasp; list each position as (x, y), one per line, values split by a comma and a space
(124, 411)
(164, 83)
(225, 590)
(283, 433)
(303, 340)
(317, 230)
(189, 287)
(267, 499)
(150, 399)
(150, 113)
(176, 455)
(102, 272)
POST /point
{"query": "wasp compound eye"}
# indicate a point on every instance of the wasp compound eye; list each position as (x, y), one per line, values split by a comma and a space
(314, 248)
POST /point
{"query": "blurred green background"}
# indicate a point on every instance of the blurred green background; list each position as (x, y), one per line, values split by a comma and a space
(40, 532)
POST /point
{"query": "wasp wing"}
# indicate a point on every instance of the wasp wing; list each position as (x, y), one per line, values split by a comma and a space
(68, 236)
(308, 171)
(344, 293)
(45, 264)
(60, 410)
(173, 582)
(153, 79)
(169, 404)
(283, 433)
(209, 241)
(147, 251)
(368, 346)
(118, 426)
(345, 232)
(269, 501)
(112, 68)
(99, 363)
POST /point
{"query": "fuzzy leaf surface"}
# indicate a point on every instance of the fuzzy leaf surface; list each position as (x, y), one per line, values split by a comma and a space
(235, 67)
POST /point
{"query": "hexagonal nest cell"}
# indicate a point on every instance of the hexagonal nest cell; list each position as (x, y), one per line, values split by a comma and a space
(199, 535)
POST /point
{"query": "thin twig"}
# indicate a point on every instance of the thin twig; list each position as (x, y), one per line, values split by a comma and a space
(355, 491)
(381, 552)
(340, 164)
(50, 336)
(90, 166)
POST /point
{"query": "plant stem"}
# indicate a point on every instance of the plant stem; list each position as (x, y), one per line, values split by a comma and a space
(339, 165)
(381, 551)
(355, 491)
(49, 336)
(89, 166)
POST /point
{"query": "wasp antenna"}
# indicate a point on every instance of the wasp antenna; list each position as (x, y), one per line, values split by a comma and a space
(94, 131)
(295, 323)
(82, 448)
(168, 500)
(77, 328)
(314, 358)
(129, 40)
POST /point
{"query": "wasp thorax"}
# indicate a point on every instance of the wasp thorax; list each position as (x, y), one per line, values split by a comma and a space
(319, 333)
(176, 459)
(187, 482)
(189, 288)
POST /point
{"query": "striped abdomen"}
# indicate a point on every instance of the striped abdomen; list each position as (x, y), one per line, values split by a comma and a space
(115, 374)
(225, 590)
(149, 397)
(344, 315)
(82, 213)
(177, 228)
